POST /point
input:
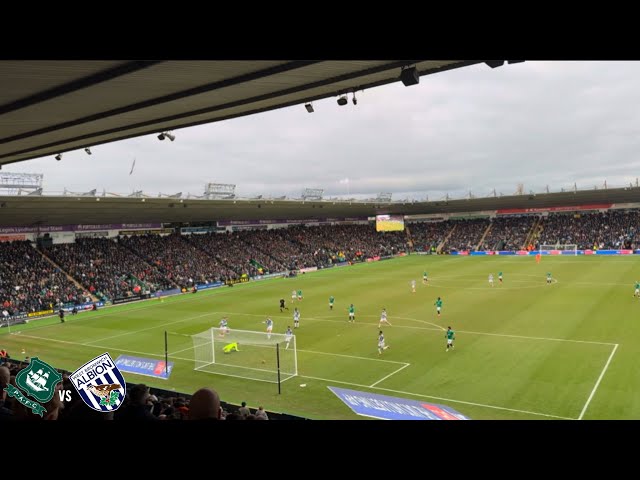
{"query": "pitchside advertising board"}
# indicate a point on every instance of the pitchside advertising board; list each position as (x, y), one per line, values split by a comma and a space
(145, 366)
(385, 407)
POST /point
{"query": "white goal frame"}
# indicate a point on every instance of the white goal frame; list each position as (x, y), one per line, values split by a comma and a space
(261, 356)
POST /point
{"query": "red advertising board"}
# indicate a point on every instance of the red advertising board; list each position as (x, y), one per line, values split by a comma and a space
(12, 238)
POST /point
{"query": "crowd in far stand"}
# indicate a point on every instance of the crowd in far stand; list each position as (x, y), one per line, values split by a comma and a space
(428, 235)
(467, 234)
(29, 283)
(508, 233)
(105, 268)
(109, 268)
(610, 230)
(178, 260)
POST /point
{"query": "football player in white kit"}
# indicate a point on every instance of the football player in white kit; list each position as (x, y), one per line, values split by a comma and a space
(224, 327)
(383, 318)
(269, 323)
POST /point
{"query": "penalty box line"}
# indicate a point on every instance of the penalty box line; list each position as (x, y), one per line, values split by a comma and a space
(595, 387)
(313, 378)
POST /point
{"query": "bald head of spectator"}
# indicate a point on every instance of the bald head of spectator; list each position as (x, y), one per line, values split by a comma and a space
(5, 375)
(204, 405)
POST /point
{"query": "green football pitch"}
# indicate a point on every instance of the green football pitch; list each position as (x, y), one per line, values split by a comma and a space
(523, 350)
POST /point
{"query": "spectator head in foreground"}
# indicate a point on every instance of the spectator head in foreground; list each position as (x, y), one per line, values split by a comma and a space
(205, 405)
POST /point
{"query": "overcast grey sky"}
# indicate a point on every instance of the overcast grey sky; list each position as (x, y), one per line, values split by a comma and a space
(470, 129)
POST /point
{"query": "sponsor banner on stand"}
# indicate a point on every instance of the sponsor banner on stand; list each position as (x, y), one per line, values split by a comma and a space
(151, 367)
(84, 307)
(40, 313)
(153, 231)
(16, 319)
(594, 206)
(204, 286)
(307, 269)
(290, 222)
(189, 230)
(12, 238)
(385, 407)
(78, 228)
(165, 293)
(132, 298)
(98, 234)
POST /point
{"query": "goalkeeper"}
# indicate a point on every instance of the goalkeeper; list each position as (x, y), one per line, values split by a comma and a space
(230, 347)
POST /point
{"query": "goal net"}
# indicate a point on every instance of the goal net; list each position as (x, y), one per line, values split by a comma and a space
(259, 355)
(559, 249)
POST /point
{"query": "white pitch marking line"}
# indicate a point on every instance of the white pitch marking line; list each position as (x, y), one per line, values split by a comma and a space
(204, 295)
(183, 350)
(313, 378)
(536, 338)
(438, 398)
(352, 356)
(595, 387)
(392, 373)
(151, 328)
(102, 347)
(525, 337)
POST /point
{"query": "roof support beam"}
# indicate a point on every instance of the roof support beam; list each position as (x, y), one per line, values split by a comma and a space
(163, 99)
(75, 85)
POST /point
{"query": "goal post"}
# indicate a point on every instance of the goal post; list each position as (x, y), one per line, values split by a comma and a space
(559, 249)
(259, 356)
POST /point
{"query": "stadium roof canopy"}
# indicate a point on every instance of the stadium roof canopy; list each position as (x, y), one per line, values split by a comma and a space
(50, 107)
(66, 210)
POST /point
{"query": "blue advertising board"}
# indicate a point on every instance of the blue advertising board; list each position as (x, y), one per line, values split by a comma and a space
(394, 408)
(144, 366)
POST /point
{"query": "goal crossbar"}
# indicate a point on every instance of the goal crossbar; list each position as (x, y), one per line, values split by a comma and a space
(246, 354)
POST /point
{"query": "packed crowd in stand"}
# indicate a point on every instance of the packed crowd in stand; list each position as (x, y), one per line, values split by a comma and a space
(350, 243)
(609, 230)
(29, 283)
(227, 250)
(508, 233)
(267, 248)
(467, 234)
(106, 269)
(428, 235)
(179, 261)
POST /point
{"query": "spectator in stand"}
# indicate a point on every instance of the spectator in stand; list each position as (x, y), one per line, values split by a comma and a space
(136, 407)
(261, 414)
(205, 405)
(243, 411)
